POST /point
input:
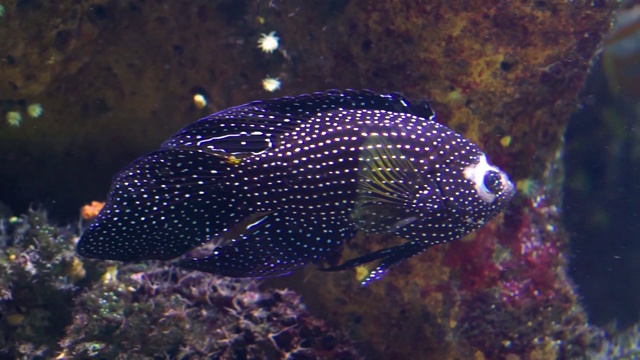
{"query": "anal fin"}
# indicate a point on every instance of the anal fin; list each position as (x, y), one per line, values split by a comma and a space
(272, 245)
(390, 256)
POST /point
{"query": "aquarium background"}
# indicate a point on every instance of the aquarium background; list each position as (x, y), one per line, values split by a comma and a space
(86, 87)
(600, 191)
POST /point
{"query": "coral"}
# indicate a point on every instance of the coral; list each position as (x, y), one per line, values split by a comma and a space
(54, 304)
(14, 118)
(91, 211)
(493, 74)
(196, 315)
(270, 84)
(500, 293)
(268, 43)
(36, 286)
(35, 110)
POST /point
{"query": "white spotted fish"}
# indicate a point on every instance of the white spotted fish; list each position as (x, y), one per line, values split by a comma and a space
(279, 184)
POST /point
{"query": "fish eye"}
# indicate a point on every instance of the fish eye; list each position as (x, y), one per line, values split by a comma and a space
(493, 181)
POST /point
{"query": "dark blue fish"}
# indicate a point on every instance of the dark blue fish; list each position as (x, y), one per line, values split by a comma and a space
(279, 184)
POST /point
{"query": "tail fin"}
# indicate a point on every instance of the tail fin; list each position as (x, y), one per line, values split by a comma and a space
(160, 206)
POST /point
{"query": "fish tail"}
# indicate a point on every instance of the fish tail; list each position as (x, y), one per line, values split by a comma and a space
(161, 206)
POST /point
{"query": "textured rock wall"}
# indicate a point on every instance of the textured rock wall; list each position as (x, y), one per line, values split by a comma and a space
(116, 78)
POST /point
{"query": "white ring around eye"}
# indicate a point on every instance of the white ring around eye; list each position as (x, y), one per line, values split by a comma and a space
(475, 173)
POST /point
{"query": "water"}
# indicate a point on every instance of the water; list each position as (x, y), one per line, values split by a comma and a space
(85, 88)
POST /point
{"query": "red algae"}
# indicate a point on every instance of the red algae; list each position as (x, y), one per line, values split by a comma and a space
(493, 71)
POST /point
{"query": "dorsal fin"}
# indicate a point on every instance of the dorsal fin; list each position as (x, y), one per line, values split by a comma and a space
(262, 122)
(311, 104)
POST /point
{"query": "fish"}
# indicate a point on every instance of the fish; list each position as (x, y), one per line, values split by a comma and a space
(272, 186)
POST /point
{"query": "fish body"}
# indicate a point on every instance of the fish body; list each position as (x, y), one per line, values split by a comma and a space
(282, 183)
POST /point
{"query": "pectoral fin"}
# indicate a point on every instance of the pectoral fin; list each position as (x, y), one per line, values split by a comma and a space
(390, 256)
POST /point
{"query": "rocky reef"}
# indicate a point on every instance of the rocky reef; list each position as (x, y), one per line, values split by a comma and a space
(114, 79)
(54, 305)
(601, 189)
(507, 76)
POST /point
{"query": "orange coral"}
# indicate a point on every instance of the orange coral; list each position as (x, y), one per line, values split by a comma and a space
(91, 211)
